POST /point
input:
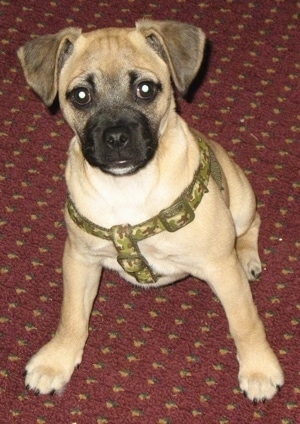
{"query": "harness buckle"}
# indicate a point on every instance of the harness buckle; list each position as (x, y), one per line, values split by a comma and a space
(177, 216)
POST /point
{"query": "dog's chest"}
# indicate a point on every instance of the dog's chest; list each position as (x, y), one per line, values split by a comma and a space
(157, 253)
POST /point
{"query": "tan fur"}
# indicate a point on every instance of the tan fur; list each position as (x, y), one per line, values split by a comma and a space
(219, 246)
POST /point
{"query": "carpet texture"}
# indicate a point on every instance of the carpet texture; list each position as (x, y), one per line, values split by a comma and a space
(164, 355)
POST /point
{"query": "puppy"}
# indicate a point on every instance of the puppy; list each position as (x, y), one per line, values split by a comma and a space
(148, 196)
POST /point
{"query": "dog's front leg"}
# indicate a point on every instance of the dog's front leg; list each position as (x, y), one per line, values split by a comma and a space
(52, 366)
(260, 375)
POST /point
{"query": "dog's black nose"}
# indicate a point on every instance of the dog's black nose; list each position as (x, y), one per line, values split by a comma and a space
(116, 137)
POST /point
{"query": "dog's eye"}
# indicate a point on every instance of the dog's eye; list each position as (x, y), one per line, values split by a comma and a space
(146, 90)
(81, 96)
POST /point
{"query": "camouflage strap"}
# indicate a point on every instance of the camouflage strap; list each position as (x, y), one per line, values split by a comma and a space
(178, 215)
(129, 255)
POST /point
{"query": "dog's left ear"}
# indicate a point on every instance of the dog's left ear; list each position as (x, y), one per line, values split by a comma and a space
(180, 45)
(42, 59)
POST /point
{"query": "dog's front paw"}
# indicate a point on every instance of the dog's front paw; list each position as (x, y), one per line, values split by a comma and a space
(51, 368)
(261, 378)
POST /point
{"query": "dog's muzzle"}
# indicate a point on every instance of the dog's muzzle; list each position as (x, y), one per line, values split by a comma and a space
(119, 145)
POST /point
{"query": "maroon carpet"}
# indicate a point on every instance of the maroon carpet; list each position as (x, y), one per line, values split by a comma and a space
(159, 356)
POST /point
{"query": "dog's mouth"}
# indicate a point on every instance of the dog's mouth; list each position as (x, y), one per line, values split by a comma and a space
(121, 167)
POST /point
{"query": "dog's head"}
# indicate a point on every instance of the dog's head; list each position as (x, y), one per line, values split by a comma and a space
(114, 85)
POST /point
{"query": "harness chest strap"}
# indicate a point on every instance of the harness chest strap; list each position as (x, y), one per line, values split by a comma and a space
(125, 237)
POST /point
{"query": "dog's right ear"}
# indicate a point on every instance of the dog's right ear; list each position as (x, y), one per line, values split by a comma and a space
(43, 58)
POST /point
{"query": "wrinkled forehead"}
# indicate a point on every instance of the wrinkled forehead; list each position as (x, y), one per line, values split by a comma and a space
(112, 52)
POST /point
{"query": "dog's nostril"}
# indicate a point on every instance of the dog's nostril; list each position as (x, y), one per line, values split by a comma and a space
(123, 138)
(116, 138)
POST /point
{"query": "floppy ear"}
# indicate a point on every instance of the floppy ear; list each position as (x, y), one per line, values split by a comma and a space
(180, 45)
(42, 59)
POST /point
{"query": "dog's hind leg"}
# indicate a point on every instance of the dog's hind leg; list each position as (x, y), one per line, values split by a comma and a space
(247, 250)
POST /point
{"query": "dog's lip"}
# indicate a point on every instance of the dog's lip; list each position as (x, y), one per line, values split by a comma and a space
(121, 167)
(120, 163)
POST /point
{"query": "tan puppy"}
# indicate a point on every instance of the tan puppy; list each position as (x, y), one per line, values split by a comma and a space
(148, 196)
